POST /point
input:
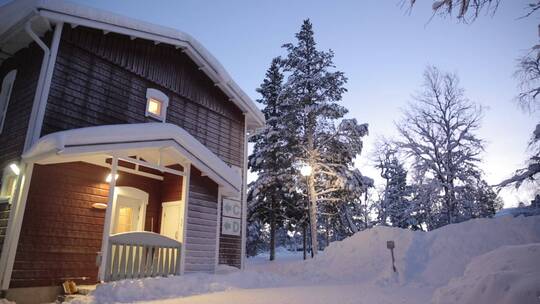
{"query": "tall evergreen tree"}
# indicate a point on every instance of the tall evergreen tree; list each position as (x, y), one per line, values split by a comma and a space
(274, 190)
(394, 204)
(325, 143)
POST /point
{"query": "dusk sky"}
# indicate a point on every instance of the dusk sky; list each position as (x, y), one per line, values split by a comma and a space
(383, 51)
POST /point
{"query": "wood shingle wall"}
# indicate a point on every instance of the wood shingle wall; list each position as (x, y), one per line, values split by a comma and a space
(102, 79)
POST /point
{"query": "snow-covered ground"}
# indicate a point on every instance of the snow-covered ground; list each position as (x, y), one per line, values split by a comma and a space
(480, 261)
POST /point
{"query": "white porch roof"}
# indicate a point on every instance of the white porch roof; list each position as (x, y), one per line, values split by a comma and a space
(126, 138)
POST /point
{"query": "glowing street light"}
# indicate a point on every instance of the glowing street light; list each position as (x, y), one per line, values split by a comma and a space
(306, 170)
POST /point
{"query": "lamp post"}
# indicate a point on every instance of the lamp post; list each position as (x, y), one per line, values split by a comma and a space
(307, 171)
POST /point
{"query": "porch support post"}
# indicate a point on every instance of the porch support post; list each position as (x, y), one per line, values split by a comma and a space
(108, 220)
(18, 205)
(185, 193)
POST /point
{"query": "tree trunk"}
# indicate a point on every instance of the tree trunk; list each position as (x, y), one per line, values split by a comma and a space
(327, 231)
(313, 215)
(304, 240)
(273, 238)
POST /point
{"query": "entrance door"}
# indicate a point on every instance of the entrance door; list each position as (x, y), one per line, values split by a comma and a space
(129, 211)
(171, 220)
(127, 214)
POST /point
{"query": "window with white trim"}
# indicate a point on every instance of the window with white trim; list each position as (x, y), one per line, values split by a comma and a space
(8, 182)
(5, 93)
(156, 104)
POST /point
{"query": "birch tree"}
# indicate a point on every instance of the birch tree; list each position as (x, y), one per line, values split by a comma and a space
(438, 132)
(527, 73)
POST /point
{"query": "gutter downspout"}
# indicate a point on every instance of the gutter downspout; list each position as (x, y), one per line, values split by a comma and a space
(44, 82)
(41, 79)
(47, 83)
(9, 249)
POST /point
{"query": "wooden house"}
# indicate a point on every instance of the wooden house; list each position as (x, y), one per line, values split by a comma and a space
(122, 149)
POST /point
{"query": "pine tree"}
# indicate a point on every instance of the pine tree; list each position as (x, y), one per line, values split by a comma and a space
(394, 205)
(314, 88)
(274, 190)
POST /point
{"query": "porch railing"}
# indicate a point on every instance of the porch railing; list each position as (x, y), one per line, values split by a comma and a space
(133, 255)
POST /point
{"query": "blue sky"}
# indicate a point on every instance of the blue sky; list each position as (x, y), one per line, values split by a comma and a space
(382, 49)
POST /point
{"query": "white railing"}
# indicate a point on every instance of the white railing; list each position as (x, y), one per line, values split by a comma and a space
(141, 254)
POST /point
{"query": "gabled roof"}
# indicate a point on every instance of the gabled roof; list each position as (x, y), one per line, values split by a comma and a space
(126, 138)
(15, 14)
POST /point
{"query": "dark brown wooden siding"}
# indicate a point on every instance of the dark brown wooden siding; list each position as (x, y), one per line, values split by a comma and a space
(61, 232)
(102, 79)
(27, 62)
(201, 223)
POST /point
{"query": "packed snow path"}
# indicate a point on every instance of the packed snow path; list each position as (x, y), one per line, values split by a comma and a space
(479, 261)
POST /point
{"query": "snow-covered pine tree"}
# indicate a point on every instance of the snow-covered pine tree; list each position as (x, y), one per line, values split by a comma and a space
(314, 88)
(272, 159)
(394, 206)
(438, 132)
(256, 238)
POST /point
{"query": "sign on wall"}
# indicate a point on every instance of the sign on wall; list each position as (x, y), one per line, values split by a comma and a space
(232, 208)
(230, 226)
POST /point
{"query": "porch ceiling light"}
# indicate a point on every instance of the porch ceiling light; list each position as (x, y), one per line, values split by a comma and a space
(109, 177)
(306, 170)
(100, 206)
(15, 169)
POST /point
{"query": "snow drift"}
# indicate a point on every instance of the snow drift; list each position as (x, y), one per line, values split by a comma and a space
(425, 261)
(507, 275)
(430, 259)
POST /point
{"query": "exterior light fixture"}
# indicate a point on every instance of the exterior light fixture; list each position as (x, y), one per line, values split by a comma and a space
(306, 170)
(109, 177)
(15, 169)
(100, 206)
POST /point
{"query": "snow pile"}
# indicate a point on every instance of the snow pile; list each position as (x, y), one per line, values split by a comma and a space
(180, 286)
(507, 275)
(426, 261)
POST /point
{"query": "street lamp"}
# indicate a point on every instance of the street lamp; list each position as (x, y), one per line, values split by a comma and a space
(306, 170)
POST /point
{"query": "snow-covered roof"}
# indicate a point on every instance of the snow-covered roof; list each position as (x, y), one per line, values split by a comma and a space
(14, 15)
(113, 139)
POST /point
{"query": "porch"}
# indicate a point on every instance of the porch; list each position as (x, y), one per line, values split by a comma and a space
(101, 209)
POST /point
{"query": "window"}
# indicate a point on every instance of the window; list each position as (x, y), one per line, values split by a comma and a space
(5, 93)
(156, 104)
(9, 180)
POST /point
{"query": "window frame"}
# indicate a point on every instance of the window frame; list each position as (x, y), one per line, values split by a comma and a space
(7, 84)
(7, 174)
(157, 95)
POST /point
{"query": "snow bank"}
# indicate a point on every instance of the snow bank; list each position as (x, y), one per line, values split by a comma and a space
(425, 261)
(429, 259)
(181, 286)
(507, 275)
